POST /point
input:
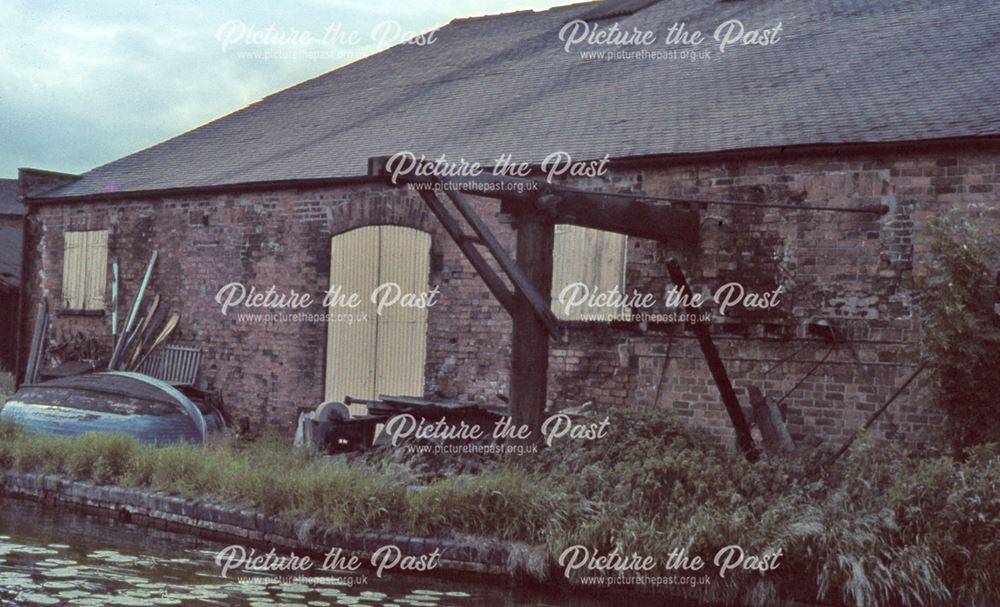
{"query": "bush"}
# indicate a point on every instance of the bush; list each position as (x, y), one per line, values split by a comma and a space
(962, 327)
(507, 504)
(102, 458)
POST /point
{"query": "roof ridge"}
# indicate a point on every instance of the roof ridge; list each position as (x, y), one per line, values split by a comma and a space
(525, 11)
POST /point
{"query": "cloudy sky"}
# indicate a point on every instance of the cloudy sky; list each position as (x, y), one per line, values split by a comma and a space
(84, 83)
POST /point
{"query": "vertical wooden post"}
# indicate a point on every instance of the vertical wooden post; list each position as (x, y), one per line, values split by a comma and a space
(529, 365)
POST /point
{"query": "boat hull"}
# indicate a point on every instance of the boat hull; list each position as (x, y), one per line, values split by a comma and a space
(118, 403)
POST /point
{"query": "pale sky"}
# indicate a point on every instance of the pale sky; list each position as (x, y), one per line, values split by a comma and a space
(84, 83)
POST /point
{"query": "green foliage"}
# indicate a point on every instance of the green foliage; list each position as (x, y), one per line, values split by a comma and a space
(882, 528)
(507, 504)
(962, 327)
(7, 385)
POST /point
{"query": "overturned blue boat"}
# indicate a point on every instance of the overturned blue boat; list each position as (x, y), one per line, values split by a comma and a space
(117, 402)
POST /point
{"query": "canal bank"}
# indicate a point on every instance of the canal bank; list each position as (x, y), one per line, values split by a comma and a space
(466, 561)
(234, 523)
(61, 556)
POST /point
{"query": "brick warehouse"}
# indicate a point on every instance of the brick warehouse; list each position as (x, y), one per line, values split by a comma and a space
(258, 195)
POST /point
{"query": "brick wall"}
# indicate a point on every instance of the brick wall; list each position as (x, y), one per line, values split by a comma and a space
(266, 371)
(856, 272)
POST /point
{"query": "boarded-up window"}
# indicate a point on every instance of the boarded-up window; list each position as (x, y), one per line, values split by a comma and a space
(594, 258)
(380, 354)
(85, 268)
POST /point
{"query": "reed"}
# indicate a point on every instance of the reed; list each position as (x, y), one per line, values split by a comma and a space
(883, 528)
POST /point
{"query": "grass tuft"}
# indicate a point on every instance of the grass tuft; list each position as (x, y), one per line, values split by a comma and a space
(883, 528)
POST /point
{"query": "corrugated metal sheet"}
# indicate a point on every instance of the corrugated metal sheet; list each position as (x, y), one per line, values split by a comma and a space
(85, 259)
(593, 257)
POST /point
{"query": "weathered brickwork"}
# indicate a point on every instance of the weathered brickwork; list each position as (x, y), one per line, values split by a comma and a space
(853, 272)
(268, 370)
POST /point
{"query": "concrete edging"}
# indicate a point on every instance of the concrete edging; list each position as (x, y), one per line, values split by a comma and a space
(233, 522)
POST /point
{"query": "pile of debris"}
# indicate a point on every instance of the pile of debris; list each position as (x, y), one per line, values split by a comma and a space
(133, 341)
(143, 388)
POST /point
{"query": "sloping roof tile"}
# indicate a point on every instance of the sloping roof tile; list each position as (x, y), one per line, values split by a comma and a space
(9, 204)
(843, 71)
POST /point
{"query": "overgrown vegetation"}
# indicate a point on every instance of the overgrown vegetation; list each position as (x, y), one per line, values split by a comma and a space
(883, 528)
(962, 328)
(7, 385)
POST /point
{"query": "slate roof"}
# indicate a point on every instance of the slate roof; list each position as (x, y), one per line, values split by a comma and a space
(9, 204)
(10, 234)
(843, 71)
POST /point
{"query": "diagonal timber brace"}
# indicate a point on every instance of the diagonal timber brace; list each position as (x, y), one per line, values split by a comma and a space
(536, 207)
(525, 293)
(717, 368)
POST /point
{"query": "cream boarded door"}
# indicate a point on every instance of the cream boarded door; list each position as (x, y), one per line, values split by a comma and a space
(383, 354)
(350, 346)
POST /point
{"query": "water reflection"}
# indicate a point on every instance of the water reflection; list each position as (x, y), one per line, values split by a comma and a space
(50, 557)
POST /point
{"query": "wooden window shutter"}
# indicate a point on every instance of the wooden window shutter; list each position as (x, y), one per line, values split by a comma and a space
(85, 272)
(74, 273)
(593, 257)
(96, 269)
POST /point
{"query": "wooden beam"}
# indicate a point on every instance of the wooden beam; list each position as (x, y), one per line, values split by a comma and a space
(701, 332)
(772, 427)
(540, 305)
(626, 215)
(482, 267)
(630, 216)
(530, 342)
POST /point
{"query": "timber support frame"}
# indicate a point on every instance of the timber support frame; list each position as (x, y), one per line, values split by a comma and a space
(535, 207)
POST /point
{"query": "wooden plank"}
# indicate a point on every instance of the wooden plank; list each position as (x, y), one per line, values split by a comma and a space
(117, 354)
(114, 300)
(539, 303)
(715, 365)
(529, 342)
(773, 430)
(37, 342)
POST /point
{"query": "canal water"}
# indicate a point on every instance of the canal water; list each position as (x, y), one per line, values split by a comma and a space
(54, 557)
